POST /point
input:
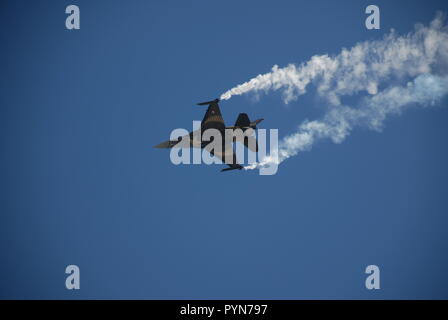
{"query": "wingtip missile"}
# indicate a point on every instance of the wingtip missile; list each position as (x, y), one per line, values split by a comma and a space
(234, 167)
(208, 102)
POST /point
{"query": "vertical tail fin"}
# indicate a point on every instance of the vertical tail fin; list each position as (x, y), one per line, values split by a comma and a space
(242, 121)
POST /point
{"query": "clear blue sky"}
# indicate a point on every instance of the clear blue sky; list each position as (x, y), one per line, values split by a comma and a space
(82, 184)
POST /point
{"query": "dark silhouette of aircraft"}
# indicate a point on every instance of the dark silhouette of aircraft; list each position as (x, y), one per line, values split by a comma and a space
(213, 120)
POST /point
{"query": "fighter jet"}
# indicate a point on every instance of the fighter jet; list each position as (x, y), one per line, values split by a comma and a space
(213, 120)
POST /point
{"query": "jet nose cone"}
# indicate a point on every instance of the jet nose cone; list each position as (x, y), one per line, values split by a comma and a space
(163, 145)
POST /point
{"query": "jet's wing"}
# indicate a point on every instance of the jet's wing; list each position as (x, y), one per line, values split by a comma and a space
(213, 117)
(226, 155)
(250, 142)
(247, 138)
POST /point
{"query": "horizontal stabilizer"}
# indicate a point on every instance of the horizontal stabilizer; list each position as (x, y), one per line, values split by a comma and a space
(258, 121)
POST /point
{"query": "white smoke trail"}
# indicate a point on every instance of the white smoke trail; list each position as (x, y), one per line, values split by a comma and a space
(425, 90)
(418, 59)
(362, 68)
